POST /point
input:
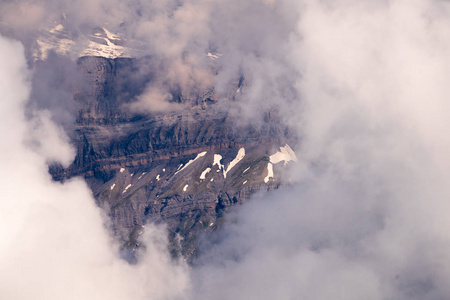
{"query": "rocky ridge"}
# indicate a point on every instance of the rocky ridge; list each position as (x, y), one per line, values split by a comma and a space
(184, 168)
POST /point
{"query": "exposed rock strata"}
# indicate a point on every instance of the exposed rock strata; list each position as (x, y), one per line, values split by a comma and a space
(132, 162)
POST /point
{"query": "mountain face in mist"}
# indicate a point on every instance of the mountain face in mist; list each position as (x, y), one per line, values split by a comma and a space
(185, 168)
(158, 119)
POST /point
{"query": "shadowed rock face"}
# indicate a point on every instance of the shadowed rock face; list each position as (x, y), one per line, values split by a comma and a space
(110, 85)
(184, 168)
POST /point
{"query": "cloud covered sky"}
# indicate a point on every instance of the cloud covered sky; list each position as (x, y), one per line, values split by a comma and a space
(365, 85)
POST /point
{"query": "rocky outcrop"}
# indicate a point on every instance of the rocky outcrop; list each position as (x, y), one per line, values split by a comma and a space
(110, 84)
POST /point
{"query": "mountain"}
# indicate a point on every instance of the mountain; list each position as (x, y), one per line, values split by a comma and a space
(185, 168)
(89, 41)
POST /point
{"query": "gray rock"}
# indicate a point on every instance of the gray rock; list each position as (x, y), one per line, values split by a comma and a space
(131, 162)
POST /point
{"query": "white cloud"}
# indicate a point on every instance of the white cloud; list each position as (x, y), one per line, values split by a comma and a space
(368, 216)
(54, 241)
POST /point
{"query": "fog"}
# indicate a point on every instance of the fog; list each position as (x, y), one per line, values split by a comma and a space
(364, 85)
(55, 242)
(367, 219)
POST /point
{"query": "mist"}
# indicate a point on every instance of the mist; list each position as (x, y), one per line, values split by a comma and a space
(365, 217)
(55, 242)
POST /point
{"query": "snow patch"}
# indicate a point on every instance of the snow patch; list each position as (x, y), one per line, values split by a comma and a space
(244, 182)
(110, 35)
(59, 27)
(214, 56)
(109, 51)
(285, 154)
(191, 161)
(212, 179)
(185, 187)
(202, 176)
(240, 155)
(269, 172)
(164, 170)
(128, 186)
(246, 170)
(157, 177)
(112, 186)
(142, 175)
(101, 43)
(60, 46)
(217, 159)
(121, 170)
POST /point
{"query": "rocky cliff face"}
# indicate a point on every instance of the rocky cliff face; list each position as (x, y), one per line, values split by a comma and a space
(183, 168)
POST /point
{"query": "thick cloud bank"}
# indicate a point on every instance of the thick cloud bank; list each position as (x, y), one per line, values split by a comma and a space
(369, 216)
(365, 85)
(54, 244)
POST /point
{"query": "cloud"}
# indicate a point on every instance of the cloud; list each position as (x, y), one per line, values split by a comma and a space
(23, 15)
(55, 243)
(249, 34)
(155, 100)
(367, 217)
